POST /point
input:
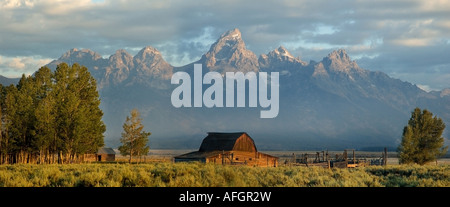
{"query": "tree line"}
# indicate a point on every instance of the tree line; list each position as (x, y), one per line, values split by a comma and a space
(51, 117)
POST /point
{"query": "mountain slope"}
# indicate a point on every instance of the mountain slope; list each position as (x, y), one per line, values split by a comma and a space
(8, 81)
(331, 104)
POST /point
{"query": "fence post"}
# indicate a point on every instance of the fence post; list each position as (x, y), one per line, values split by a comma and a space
(354, 157)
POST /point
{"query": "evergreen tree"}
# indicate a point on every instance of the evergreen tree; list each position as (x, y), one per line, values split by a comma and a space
(7, 144)
(21, 115)
(90, 127)
(79, 125)
(51, 114)
(422, 139)
(2, 123)
(134, 140)
(45, 115)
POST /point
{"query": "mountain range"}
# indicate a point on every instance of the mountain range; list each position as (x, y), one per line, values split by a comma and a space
(8, 81)
(328, 104)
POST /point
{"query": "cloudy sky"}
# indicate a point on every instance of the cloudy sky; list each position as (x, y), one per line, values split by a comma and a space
(406, 39)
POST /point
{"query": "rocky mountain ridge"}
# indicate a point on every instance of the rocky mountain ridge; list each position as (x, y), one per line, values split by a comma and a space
(332, 103)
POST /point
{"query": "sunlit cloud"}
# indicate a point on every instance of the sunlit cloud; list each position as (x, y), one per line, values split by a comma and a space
(413, 42)
(14, 67)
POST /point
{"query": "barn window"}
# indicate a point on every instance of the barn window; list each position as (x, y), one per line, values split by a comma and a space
(237, 158)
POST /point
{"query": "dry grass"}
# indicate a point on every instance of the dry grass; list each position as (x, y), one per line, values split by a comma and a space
(166, 174)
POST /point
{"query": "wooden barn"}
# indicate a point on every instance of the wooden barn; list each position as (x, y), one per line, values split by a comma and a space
(229, 148)
(103, 154)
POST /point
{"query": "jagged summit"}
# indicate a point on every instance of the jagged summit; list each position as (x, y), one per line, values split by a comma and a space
(86, 57)
(339, 61)
(74, 53)
(229, 53)
(279, 59)
(121, 62)
(150, 63)
(283, 52)
(339, 54)
(149, 50)
(148, 54)
(121, 57)
(121, 51)
(233, 34)
(118, 68)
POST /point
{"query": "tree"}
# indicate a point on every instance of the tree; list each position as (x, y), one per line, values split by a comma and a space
(8, 110)
(78, 117)
(3, 140)
(21, 114)
(134, 140)
(52, 113)
(422, 139)
(45, 114)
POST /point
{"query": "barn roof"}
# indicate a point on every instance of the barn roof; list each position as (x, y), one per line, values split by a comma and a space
(221, 141)
(106, 150)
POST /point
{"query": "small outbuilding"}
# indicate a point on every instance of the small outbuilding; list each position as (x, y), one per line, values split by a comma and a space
(103, 154)
(236, 148)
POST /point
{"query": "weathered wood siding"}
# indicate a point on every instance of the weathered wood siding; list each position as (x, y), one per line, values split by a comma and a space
(106, 157)
(245, 144)
(99, 157)
(244, 158)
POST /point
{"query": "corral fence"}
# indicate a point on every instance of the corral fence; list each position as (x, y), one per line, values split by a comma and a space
(347, 159)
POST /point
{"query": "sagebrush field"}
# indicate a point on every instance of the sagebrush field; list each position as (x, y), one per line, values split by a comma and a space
(209, 175)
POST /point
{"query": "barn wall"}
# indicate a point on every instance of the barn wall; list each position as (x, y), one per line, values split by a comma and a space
(244, 143)
(267, 160)
(90, 158)
(108, 157)
(244, 158)
(104, 157)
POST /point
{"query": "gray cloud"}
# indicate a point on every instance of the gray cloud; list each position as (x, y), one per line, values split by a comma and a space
(401, 38)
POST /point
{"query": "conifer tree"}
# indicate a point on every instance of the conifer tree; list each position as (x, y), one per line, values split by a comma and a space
(2, 121)
(45, 114)
(90, 126)
(79, 125)
(134, 140)
(8, 109)
(20, 108)
(51, 113)
(422, 139)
